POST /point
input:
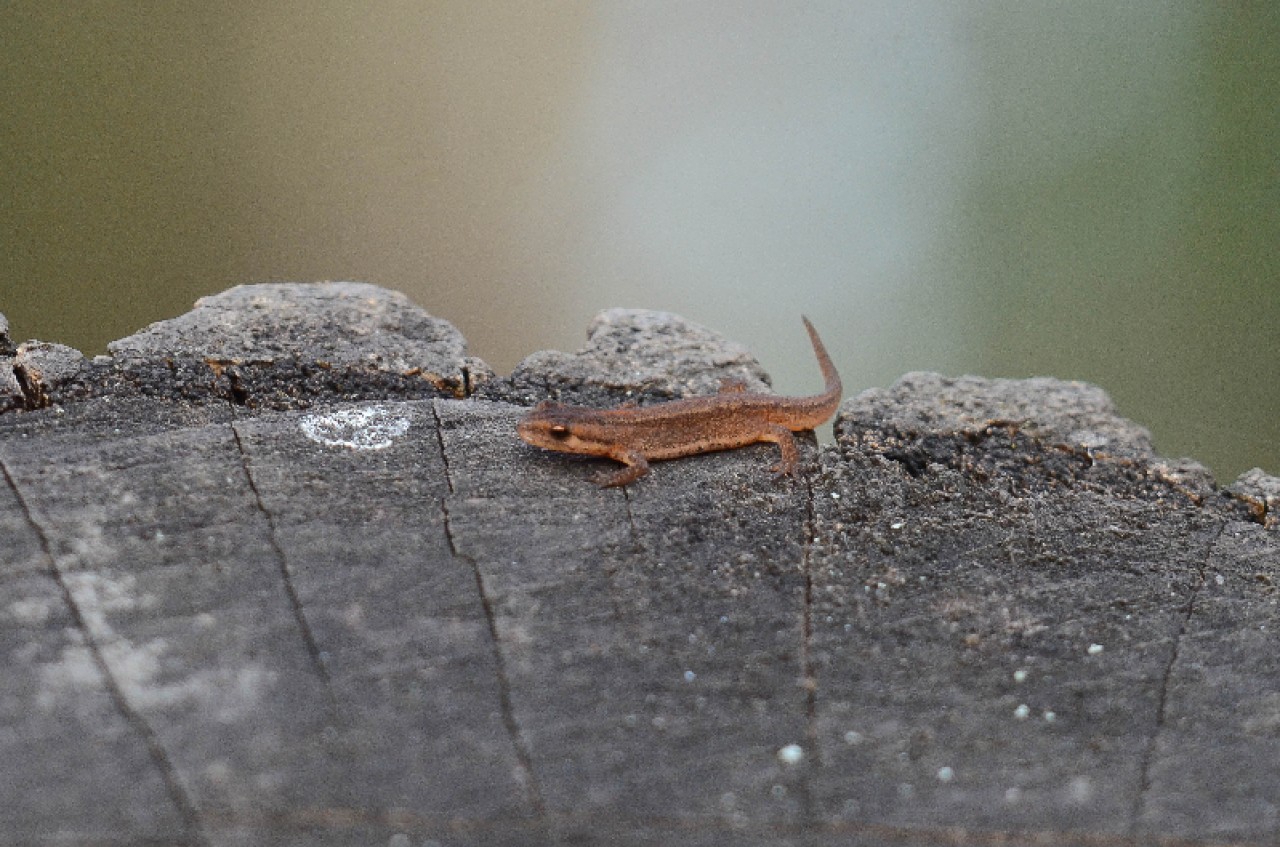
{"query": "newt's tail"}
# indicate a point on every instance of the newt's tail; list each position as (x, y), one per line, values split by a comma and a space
(822, 406)
(829, 374)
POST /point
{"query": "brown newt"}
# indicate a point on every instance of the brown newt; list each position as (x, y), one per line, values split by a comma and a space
(635, 435)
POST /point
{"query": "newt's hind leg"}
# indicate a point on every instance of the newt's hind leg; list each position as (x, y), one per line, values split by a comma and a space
(786, 442)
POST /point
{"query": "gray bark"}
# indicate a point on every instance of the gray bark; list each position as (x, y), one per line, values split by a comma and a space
(280, 572)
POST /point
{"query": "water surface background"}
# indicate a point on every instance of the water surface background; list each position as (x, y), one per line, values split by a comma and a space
(1085, 190)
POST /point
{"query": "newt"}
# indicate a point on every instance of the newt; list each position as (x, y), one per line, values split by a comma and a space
(636, 435)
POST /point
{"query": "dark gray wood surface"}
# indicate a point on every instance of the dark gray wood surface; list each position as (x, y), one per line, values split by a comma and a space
(280, 572)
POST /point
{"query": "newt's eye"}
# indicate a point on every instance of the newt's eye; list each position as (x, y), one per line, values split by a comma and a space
(559, 431)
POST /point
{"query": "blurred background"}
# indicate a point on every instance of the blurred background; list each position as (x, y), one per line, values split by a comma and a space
(1088, 190)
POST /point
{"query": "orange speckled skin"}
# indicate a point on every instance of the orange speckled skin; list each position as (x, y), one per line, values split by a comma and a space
(732, 418)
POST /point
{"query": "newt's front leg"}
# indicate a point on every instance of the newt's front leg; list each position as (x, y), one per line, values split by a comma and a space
(636, 466)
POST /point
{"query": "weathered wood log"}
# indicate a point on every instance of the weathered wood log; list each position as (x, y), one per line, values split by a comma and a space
(279, 572)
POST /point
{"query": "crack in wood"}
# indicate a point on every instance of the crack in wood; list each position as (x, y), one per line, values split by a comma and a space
(1149, 754)
(295, 602)
(612, 568)
(444, 459)
(807, 663)
(174, 787)
(524, 756)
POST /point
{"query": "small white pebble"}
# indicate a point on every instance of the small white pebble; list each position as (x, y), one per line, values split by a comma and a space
(1049, 716)
(1216, 578)
(1019, 676)
(690, 676)
(897, 525)
(945, 774)
(1022, 711)
(835, 495)
(852, 737)
(791, 754)
(1095, 649)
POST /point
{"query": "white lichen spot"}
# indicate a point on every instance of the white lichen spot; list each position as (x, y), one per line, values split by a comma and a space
(778, 792)
(74, 672)
(89, 548)
(1095, 649)
(946, 774)
(690, 676)
(791, 754)
(135, 668)
(1012, 794)
(1022, 711)
(31, 612)
(1049, 716)
(852, 737)
(96, 594)
(366, 428)
(1019, 676)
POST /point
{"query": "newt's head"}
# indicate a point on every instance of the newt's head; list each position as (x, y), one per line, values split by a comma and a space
(552, 426)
